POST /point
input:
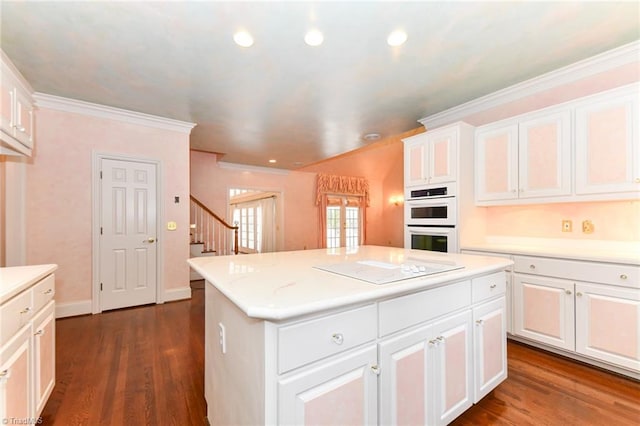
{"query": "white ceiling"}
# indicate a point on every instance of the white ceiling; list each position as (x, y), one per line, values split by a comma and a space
(283, 99)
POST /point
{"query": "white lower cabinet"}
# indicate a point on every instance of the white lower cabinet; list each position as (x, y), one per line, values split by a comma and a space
(544, 310)
(489, 347)
(27, 351)
(608, 324)
(340, 392)
(426, 374)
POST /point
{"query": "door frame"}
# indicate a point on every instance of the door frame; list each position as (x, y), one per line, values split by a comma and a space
(97, 158)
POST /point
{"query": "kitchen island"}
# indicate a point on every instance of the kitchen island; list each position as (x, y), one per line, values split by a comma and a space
(372, 335)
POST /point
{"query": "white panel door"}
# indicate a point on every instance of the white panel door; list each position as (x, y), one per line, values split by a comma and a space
(128, 233)
(490, 347)
(496, 162)
(442, 155)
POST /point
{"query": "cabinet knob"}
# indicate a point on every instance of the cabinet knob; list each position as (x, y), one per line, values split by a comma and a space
(479, 322)
(337, 338)
(48, 291)
(623, 277)
(532, 266)
(5, 374)
(375, 369)
(39, 333)
(568, 291)
(492, 286)
(26, 310)
(578, 294)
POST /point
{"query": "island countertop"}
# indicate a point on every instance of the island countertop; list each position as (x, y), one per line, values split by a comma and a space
(14, 279)
(283, 285)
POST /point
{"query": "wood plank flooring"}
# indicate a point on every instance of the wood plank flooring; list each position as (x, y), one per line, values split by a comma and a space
(145, 366)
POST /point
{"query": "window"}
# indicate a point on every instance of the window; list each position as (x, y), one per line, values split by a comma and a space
(343, 222)
(255, 214)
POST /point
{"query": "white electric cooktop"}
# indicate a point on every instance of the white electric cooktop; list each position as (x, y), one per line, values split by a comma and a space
(377, 272)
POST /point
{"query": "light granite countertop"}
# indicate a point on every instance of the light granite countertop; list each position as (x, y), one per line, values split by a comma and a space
(15, 279)
(282, 285)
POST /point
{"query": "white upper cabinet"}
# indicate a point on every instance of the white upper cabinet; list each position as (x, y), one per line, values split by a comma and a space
(16, 112)
(607, 147)
(583, 150)
(431, 157)
(525, 158)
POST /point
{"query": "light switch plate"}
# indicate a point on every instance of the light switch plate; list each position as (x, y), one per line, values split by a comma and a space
(172, 226)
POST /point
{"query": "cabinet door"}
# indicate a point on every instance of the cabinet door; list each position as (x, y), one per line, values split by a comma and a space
(415, 160)
(497, 162)
(406, 375)
(442, 148)
(453, 367)
(608, 324)
(544, 310)
(23, 119)
(489, 346)
(6, 105)
(338, 392)
(44, 356)
(607, 146)
(15, 377)
(544, 155)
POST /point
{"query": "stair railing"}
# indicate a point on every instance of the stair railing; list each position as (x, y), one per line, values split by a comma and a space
(211, 230)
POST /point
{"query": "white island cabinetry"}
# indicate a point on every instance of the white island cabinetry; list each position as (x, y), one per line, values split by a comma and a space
(321, 348)
(27, 340)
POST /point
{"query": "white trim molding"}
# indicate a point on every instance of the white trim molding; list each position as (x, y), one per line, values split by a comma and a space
(73, 309)
(248, 168)
(59, 103)
(179, 293)
(623, 55)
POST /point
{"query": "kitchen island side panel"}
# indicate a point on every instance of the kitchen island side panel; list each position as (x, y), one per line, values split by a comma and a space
(234, 380)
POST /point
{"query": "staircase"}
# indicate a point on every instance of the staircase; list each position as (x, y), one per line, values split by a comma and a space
(210, 234)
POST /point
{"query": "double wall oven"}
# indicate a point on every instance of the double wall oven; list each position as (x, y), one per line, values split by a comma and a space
(431, 219)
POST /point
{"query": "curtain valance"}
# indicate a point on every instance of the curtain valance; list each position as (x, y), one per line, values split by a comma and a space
(343, 185)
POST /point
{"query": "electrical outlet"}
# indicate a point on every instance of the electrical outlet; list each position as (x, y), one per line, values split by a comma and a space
(587, 227)
(567, 225)
(223, 337)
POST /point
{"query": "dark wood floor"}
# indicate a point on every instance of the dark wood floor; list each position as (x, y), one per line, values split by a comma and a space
(145, 366)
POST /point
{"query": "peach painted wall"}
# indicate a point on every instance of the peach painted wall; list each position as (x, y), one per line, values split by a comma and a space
(613, 220)
(382, 163)
(59, 194)
(210, 183)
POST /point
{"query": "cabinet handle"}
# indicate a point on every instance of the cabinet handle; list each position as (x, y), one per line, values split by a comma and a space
(479, 322)
(21, 129)
(568, 291)
(432, 342)
(532, 266)
(5, 374)
(440, 339)
(492, 286)
(337, 338)
(578, 294)
(39, 333)
(375, 369)
(48, 291)
(25, 310)
(623, 277)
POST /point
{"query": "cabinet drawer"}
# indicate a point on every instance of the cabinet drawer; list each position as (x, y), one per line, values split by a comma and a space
(412, 309)
(308, 341)
(14, 314)
(43, 292)
(605, 273)
(488, 286)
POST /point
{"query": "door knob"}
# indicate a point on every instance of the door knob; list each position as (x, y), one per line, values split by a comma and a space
(149, 240)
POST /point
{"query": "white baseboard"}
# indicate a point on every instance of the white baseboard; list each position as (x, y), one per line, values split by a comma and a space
(73, 309)
(177, 294)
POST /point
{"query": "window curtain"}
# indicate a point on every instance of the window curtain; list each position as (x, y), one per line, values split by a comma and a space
(327, 187)
(267, 236)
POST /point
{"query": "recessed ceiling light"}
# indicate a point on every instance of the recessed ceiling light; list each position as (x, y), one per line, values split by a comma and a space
(369, 137)
(314, 38)
(397, 38)
(272, 161)
(243, 38)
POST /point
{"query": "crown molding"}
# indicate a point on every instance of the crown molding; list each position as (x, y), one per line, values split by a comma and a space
(59, 103)
(602, 62)
(248, 168)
